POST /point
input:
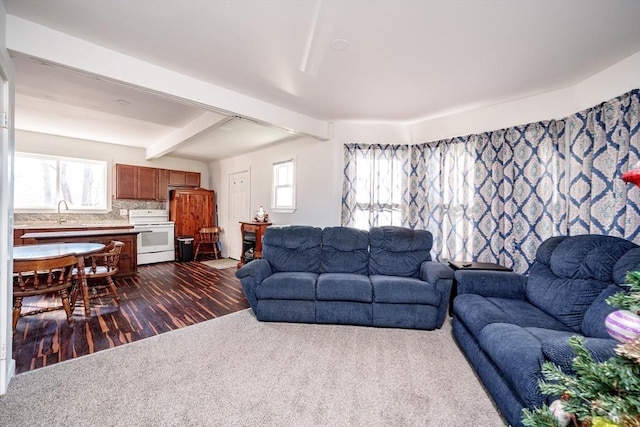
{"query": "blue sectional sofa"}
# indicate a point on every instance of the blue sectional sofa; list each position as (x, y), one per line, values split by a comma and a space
(383, 277)
(508, 324)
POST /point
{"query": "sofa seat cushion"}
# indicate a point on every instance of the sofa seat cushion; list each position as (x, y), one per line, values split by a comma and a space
(344, 312)
(518, 355)
(556, 348)
(404, 290)
(343, 287)
(476, 312)
(288, 285)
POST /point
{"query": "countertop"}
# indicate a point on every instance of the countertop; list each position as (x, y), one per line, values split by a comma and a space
(55, 225)
(85, 233)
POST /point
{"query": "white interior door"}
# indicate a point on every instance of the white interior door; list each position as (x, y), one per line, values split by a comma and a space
(239, 210)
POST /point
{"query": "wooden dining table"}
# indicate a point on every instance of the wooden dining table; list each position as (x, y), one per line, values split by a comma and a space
(53, 250)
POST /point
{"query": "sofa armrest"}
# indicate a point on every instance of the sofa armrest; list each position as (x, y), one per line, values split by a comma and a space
(432, 271)
(489, 283)
(441, 276)
(251, 275)
(258, 270)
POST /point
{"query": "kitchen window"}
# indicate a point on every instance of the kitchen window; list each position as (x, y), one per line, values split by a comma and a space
(41, 182)
(284, 189)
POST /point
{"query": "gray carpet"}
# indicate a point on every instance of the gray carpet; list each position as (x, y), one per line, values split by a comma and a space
(235, 370)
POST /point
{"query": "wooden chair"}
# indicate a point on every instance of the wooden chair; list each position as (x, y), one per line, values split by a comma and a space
(39, 277)
(208, 237)
(99, 273)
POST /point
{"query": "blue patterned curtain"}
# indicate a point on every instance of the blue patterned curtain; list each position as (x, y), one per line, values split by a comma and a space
(495, 196)
(375, 185)
(602, 143)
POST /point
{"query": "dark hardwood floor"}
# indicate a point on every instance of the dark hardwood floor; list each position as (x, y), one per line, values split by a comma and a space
(161, 298)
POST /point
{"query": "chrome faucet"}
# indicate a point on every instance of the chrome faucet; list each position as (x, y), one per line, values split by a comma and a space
(66, 206)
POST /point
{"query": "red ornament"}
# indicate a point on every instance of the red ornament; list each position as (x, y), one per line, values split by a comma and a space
(632, 176)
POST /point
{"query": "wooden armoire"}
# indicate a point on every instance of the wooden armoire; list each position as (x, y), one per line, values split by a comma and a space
(191, 209)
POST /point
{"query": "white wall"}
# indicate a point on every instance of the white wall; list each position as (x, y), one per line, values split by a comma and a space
(609, 83)
(317, 200)
(40, 143)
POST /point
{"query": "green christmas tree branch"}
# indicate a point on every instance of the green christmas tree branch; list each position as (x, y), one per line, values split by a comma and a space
(628, 300)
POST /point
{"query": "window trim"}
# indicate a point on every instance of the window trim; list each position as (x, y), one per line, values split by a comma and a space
(107, 177)
(284, 209)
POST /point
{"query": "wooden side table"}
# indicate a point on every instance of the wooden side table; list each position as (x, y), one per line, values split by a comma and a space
(252, 233)
(466, 265)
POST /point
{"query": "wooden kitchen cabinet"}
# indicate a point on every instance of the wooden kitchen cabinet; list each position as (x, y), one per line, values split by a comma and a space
(126, 182)
(191, 209)
(145, 183)
(184, 178)
(128, 261)
(163, 184)
(192, 179)
(177, 178)
(136, 182)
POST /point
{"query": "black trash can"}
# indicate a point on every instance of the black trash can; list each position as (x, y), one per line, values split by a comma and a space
(185, 248)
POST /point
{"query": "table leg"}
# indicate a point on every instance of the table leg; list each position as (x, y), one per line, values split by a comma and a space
(84, 288)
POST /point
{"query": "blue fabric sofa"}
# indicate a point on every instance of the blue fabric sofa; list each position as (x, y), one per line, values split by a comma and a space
(383, 277)
(508, 324)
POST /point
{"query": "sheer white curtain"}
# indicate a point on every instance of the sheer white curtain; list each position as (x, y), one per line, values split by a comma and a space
(441, 195)
(375, 185)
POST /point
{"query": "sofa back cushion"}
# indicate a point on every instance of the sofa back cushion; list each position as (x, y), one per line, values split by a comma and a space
(344, 250)
(292, 248)
(627, 263)
(570, 272)
(398, 251)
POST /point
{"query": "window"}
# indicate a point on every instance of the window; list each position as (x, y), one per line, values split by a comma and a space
(375, 185)
(42, 181)
(283, 198)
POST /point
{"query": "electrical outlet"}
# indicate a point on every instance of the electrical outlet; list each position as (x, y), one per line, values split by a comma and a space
(124, 212)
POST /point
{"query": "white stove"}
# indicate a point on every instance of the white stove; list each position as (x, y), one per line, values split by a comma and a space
(149, 217)
(156, 240)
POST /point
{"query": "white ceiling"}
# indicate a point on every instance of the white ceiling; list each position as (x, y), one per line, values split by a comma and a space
(403, 60)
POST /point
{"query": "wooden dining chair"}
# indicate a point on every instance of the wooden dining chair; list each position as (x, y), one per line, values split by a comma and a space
(99, 271)
(208, 239)
(44, 276)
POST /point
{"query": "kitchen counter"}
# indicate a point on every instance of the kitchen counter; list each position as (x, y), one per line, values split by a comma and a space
(39, 225)
(128, 262)
(83, 233)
